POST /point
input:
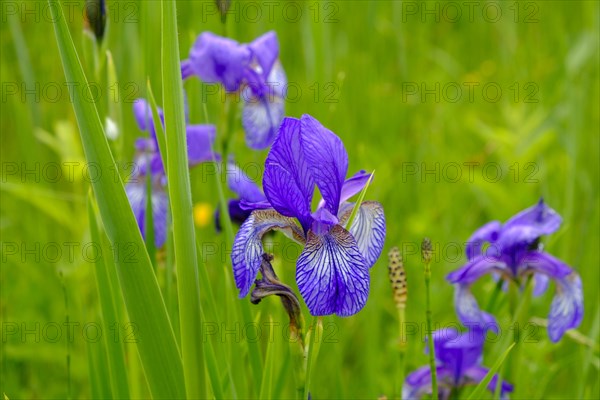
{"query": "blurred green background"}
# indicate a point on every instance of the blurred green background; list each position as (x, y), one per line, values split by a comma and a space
(418, 91)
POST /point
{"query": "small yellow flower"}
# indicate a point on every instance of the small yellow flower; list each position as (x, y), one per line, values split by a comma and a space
(202, 214)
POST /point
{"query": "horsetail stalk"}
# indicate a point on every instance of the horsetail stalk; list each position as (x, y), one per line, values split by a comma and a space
(426, 254)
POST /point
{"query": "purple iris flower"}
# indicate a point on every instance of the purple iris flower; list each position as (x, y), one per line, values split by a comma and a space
(254, 69)
(514, 253)
(458, 364)
(332, 271)
(148, 162)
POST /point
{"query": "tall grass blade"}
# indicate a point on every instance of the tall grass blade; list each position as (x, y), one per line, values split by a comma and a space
(156, 342)
(181, 205)
(158, 128)
(476, 394)
(114, 348)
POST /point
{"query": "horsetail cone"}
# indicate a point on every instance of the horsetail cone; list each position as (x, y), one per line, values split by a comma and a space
(426, 250)
(397, 277)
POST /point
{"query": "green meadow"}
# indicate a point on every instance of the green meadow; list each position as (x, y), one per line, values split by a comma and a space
(467, 112)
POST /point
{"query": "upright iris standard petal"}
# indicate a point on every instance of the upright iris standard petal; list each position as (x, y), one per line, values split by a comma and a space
(566, 311)
(528, 225)
(265, 49)
(217, 59)
(354, 185)
(543, 219)
(247, 251)
(200, 140)
(368, 228)
(287, 181)
(332, 275)
(487, 233)
(327, 158)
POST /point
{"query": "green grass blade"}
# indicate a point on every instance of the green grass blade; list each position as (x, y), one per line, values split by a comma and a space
(266, 385)
(213, 368)
(181, 205)
(211, 314)
(476, 394)
(156, 342)
(114, 349)
(114, 113)
(158, 128)
(99, 380)
(27, 74)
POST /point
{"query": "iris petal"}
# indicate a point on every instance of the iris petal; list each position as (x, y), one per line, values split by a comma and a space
(528, 225)
(239, 183)
(187, 69)
(458, 351)
(418, 383)
(468, 310)
(136, 193)
(487, 233)
(332, 275)
(277, 81)
(354, 185)
(199, 143)
(265, 50)
(539, 217)
(287, 181)
(327, 159)
(566, 311)
(477, 374)
(143, 116)
(368, 228)
(475, 269)
(247, 251)
(160, 208)
(218, 59)
(541, 284)
(261, 118)
(544, 263)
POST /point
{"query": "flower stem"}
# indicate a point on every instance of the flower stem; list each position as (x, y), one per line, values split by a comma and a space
(491, 306)
(434, 394)
(402, 346)
(313, 352)
(426, 252)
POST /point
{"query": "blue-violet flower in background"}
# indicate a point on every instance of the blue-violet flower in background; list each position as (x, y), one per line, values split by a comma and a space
(514, 253)
(250, 196)
(458, 364)
(149, 162)
(332, 271)
(254, 69)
